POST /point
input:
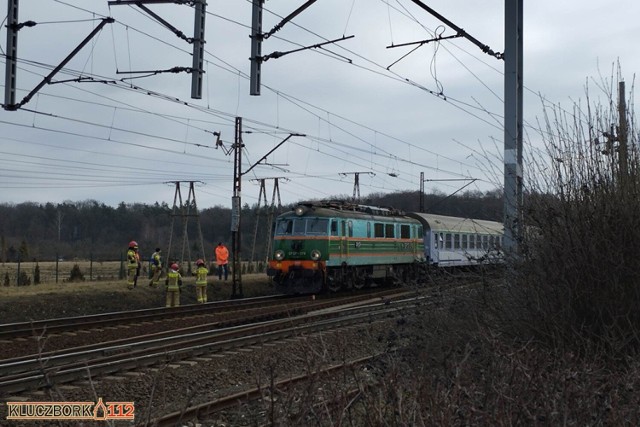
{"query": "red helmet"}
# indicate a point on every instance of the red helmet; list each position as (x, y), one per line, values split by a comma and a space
(133, 244)
(175, 267)
(199, 261)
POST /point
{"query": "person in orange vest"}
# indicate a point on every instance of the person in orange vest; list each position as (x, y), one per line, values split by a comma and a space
(174, 285)
(133, 265)
(222, 260)
(201, 281)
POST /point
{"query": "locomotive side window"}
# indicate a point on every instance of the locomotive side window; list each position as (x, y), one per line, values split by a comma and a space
(405, 232)
(447, 241)
(284, 227)
(485, 242)
(334, 227)
(317, 226)
(389, 230)
(456, 241)
(464, 241)
(378, 229)
(368, 229)
(472, 241)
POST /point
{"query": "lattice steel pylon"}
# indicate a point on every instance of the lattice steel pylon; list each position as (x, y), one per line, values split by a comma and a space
(270, 213)
(185, 210)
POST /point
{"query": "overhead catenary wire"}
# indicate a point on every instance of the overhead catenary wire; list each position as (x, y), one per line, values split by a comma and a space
(317, 140)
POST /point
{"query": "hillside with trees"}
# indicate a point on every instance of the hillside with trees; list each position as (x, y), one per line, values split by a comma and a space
(92, 230)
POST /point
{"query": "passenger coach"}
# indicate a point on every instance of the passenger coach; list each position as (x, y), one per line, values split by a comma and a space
(451, 241)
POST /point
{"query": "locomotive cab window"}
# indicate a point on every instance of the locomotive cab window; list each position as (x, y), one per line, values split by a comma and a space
(350, 228)
(447, 241)
(299, 226)
(284, 227)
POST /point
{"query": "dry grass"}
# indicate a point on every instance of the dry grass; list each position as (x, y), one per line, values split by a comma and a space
(101, 276)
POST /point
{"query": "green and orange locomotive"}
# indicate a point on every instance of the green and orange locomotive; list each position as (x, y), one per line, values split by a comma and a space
(332, 245)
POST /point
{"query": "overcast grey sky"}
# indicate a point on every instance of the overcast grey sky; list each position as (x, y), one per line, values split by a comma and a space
(438, 110)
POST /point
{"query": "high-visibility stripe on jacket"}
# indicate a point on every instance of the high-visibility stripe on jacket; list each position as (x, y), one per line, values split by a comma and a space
(131, 258)
(201, 276)
(174, 280)
(157, 262)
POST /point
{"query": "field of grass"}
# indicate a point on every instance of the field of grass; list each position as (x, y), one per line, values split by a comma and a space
(54, 277)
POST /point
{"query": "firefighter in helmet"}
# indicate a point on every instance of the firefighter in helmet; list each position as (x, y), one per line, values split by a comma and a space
(174, 286)
(201, 281)
(156, 268)
(133, 265)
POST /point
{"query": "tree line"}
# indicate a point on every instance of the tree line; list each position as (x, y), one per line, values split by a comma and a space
(93, 230)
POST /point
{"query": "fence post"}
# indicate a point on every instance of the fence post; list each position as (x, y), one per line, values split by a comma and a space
(121, 274)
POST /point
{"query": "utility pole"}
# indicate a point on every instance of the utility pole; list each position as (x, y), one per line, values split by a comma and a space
(236, 201)
(236, 207)
(513, 84)
(13, 26)
(257, 37)
(421, 192)
(622, 133)
(12, 53)
(198, 41)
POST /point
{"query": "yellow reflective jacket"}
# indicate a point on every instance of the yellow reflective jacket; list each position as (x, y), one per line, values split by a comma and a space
(131, 258)
(201, 276)
(173, 281)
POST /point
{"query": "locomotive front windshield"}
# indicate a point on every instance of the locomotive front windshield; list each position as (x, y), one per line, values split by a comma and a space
(302, 226)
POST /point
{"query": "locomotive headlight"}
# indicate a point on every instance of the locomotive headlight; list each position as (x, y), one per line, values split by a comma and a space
(300, 210)
(279, 255)
(315, 255)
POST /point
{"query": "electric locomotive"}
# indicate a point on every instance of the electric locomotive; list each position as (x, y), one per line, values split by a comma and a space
(332, 245)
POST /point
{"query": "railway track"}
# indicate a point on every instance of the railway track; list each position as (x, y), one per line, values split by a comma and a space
(186, 356)
(44, 370)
